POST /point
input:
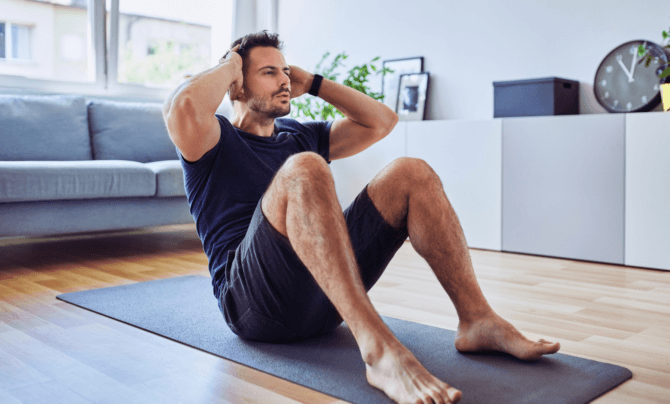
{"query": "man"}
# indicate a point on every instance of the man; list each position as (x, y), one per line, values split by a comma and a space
(286, 262)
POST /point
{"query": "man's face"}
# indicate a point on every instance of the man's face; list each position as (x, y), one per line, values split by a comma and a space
(266, 82)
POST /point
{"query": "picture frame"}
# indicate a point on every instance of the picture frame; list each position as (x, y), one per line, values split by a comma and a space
(390, 81)
(412, 96)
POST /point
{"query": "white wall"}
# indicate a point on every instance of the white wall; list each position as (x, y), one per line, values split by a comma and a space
(469, 44)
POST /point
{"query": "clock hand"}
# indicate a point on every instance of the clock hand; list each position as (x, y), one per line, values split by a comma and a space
(624, 69)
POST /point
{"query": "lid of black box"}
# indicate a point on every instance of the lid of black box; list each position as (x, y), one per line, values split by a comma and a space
(533, 81)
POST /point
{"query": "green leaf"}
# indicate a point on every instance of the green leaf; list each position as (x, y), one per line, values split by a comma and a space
(665, 73)
(357, 78)
(665, 34)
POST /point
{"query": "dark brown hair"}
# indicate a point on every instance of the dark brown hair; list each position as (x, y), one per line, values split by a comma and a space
(250, 41)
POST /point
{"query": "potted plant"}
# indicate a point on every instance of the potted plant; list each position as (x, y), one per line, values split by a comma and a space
(665, 88)
(309, 107)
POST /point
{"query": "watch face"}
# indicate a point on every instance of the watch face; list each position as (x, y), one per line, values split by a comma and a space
(624, 84)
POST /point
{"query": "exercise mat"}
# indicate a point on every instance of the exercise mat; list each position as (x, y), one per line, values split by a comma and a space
(183, 309)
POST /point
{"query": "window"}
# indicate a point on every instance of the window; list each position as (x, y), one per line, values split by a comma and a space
(160, 42)
(20, 39)
(21, 46)
(120, 48)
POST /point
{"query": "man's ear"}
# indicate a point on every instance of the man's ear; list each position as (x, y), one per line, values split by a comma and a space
(239, 96)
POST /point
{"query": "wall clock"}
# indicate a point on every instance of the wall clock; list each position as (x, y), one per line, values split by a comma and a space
(624, 84)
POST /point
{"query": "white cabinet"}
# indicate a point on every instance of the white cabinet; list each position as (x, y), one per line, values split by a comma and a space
(351, 174)
(589, 187)
(563, 186)
(648, 190)
(466, 155)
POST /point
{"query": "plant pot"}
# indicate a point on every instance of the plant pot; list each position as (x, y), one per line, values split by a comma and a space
(665, 96)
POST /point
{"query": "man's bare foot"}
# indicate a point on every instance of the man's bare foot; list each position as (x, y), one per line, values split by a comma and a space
(496, 334)
(400, 375)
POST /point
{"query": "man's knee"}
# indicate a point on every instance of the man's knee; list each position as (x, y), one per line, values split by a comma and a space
(305, 166)
(415, 171)
(301, 169)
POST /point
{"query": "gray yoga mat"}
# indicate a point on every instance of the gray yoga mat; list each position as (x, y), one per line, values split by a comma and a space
(184, 310)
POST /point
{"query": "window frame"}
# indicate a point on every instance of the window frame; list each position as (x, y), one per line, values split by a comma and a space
(102, 66)
(4, 39)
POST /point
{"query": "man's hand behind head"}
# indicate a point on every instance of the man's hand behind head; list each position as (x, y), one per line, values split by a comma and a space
(233, 57)
(301, 81)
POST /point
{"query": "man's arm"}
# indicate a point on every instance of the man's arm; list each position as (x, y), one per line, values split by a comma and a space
(358, 107)
(367, 120)
(189, 111)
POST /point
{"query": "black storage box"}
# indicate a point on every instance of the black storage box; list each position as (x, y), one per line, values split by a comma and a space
(544, 96)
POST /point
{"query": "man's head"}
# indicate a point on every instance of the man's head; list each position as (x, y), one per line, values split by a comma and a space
(266, 80)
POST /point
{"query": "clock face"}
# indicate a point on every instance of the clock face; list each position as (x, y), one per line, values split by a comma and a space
(624, 84)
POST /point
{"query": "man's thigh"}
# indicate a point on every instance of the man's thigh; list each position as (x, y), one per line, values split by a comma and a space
(270, 295)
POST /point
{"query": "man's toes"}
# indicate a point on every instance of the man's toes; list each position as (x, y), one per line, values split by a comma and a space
(454, 394)
(547, 347)
(446, 394)
(554, 347)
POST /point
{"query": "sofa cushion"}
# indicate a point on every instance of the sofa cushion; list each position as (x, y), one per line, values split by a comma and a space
(129, 131)
(54, 180)
(49, 127)
(169, 177)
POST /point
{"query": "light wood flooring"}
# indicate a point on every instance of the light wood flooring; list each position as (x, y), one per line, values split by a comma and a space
(54, 352)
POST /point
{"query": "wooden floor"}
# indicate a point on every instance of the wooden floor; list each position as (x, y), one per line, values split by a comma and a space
(54, 352)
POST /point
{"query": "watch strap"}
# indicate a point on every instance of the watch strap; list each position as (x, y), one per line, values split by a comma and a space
(316, 85)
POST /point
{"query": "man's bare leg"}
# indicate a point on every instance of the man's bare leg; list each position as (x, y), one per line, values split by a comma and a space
(301, 203)
(408, 192)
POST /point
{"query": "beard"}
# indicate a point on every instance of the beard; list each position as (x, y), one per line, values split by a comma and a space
(263, 107)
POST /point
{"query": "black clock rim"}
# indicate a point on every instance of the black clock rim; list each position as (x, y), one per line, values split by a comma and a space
(656, 101)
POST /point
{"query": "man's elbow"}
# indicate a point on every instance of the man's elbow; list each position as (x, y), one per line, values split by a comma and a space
(389, 125)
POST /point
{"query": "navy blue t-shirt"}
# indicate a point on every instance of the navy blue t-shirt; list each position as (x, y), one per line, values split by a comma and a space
(225, 185)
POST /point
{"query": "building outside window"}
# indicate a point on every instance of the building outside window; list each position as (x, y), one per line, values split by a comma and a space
(42, 39)
(160, 42)
(163, 41)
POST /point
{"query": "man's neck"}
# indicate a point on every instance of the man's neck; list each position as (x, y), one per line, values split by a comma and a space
(252, 124)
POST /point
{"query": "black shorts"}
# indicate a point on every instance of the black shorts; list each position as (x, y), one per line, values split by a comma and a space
(270, 295)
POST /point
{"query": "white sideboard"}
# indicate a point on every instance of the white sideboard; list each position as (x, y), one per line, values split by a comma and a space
(588, 187)
(563, 186)
(351, 174)
(466, 155)
(647, 234)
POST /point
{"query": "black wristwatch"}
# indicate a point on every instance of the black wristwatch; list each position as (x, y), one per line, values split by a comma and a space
(316, 84)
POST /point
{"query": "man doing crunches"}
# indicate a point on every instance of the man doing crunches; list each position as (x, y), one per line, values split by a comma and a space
(286, 262)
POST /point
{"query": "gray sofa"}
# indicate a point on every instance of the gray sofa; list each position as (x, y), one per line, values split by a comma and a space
(70, 164)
